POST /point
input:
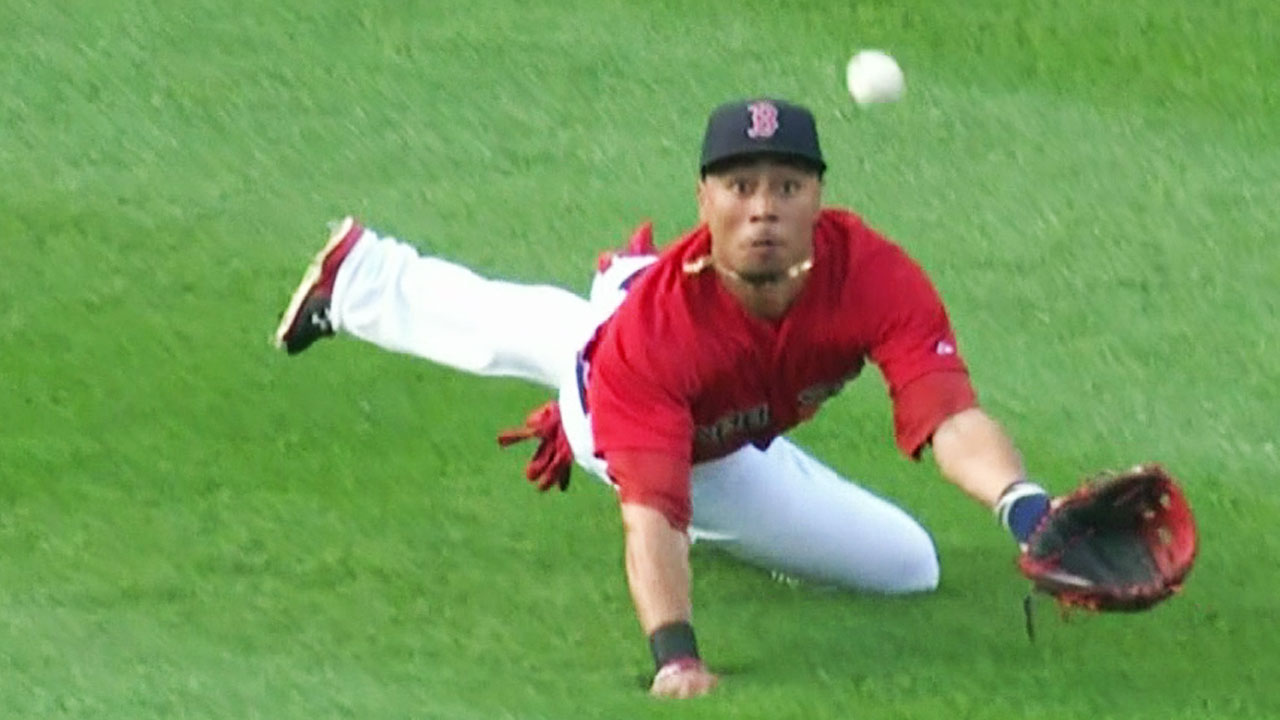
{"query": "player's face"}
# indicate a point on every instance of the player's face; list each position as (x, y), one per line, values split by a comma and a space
(761, 216)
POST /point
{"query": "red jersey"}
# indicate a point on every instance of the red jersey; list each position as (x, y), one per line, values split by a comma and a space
(683, 370)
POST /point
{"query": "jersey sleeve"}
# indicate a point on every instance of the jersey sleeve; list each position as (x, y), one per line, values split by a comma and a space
(921, 406)
(642, 427)
(915, 348)
(655, 480)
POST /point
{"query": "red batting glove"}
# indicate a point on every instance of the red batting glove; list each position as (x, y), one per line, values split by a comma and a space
(553, 460)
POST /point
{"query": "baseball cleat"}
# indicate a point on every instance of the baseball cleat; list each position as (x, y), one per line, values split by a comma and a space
(306, 319)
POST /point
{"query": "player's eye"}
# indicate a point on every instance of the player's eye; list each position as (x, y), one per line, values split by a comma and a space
(786, 188)
(740, 186)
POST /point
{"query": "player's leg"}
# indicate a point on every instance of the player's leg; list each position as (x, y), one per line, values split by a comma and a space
(383, 291)
(783, 510)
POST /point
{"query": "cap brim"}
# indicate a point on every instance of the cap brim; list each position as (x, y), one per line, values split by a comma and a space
(747, 157)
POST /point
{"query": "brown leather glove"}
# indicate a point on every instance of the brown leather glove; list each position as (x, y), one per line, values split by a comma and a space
(1120, 542)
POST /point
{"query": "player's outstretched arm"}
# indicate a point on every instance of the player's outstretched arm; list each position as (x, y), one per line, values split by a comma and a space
(657, 560)
(1142, 557)
(975, 453)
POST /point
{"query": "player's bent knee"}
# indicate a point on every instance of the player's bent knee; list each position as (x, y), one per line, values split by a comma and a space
(922, 574)
(916, 568)
(909, 565)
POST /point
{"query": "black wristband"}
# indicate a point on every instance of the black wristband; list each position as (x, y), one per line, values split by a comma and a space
(672, 642)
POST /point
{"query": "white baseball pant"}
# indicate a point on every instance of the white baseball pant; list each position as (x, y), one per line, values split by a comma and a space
(779, 508)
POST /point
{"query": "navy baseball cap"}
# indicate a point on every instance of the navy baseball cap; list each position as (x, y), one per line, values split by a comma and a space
(762, 126)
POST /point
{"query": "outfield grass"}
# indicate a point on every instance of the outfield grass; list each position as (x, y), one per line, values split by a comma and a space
(193, 526)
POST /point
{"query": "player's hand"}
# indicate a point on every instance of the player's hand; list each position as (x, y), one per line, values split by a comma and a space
(684, 678)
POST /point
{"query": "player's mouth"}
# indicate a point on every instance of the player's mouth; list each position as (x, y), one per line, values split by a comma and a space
(764, 249)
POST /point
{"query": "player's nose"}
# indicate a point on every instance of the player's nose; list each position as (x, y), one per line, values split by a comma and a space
(762, 206)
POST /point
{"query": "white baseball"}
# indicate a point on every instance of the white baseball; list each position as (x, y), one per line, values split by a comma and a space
(874, 77)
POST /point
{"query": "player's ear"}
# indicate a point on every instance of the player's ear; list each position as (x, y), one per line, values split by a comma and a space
(703, 193)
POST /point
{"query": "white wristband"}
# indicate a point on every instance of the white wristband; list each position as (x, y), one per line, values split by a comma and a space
(1012, 494)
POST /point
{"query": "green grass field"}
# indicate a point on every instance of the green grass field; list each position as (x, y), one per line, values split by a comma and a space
(193, 526)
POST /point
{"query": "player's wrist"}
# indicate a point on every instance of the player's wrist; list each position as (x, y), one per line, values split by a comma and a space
(674, 647)
(1021, 507)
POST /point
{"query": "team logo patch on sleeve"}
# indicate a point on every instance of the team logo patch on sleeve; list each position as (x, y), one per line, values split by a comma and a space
(764, 120)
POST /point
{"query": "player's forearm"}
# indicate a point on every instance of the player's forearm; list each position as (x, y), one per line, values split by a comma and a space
(976, 454)
(657, 559)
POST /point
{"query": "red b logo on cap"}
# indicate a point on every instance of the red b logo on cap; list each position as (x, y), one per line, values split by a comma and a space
(764, 120)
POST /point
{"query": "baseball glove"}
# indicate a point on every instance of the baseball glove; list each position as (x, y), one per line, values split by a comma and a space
(1121, 542)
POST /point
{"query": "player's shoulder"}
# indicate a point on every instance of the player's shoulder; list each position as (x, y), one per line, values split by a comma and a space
(846, 236)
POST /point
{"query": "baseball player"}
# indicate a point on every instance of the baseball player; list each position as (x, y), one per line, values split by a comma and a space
(678, 377)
